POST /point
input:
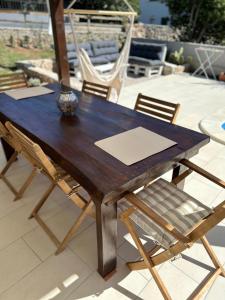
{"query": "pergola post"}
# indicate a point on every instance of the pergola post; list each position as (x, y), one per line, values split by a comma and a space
(58, 28)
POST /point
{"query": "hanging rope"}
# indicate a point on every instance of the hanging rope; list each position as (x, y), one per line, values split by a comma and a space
(71, 4)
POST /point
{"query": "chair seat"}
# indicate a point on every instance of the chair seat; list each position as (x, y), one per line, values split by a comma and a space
(174, 205)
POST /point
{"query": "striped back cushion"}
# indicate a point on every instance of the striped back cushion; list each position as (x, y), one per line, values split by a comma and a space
(174, 205)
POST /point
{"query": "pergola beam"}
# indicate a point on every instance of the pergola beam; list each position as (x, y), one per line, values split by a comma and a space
(99, 12)
(58, 28)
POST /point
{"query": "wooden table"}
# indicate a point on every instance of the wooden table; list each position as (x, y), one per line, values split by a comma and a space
(70, 142)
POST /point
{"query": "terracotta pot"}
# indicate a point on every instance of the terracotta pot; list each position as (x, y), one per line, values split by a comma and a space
(180, 69)
(222, 76)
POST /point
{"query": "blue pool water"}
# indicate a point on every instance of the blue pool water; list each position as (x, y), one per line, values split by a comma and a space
(223, 125)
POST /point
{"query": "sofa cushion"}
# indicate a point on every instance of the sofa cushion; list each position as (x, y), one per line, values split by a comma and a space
(71, 55)
(112, 57)
(70, 47)
(147, 50)
(104, 47)
(87, 48)
(145, 62)
(100, 60)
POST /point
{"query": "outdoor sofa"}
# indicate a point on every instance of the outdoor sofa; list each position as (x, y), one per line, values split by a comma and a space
(147, 58)
(102, 54)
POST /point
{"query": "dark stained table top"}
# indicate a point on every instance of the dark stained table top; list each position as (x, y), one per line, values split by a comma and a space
(70, 141)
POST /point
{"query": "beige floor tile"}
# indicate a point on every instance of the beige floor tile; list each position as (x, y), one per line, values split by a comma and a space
(51, 207)
(65, 218)
(20, 162)
(217, 166)
(60, 223)
(216, 238)
(178, 284)
(85, 246)
(123, 285)
(54, 279)
(15, 225)
(7, 204)
(210, 151)
(194, 262)
(16, 261)
(219, 199)
(18, 175)
(81, 244)
(128, 250)
(201, 191)
(197, 159)
(217, 290)
(122, 234)
(40, 243)
(168, 175)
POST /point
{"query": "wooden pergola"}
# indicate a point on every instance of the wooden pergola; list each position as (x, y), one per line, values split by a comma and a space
(58, 28)
(57, 15)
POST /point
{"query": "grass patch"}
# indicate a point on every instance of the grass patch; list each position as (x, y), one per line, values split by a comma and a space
(9, 56)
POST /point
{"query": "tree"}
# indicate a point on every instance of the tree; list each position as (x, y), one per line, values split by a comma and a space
(199, 20)
(107, 4)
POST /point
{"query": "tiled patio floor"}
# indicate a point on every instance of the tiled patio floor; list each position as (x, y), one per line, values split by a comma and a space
(29, 270)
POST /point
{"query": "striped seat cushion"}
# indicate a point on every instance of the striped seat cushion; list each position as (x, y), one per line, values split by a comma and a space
(174, 205)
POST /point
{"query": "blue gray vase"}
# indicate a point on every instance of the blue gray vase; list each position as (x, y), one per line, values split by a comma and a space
(67, 101)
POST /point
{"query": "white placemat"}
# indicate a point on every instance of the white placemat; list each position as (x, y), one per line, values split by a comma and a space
(134, 145)
(24, 93)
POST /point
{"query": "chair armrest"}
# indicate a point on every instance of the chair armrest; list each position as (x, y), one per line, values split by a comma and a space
(156, 218)
(203, 172)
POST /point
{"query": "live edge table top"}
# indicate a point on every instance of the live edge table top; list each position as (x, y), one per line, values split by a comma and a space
(70, 141)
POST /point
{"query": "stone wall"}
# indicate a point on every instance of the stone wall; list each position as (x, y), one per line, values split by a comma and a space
(33, 38)
(159, 32)
(28, 38)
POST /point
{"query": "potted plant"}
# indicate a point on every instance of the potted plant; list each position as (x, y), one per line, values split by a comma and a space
(177, 58)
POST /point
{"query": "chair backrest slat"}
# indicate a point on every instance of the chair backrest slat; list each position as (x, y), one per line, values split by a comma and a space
(3, 131)
(32, 151)
(155, 114)
(96, 89)
(12, 81)
(164, 110)
(10, 76)
(7, 136)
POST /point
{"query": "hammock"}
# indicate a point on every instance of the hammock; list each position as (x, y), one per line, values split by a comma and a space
(115, 77)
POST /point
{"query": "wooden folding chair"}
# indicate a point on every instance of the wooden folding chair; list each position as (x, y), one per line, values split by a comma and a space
(12, 81)
(96, 89)
(5, 134)
(163, 110)
(175, 221)
(58, 177)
